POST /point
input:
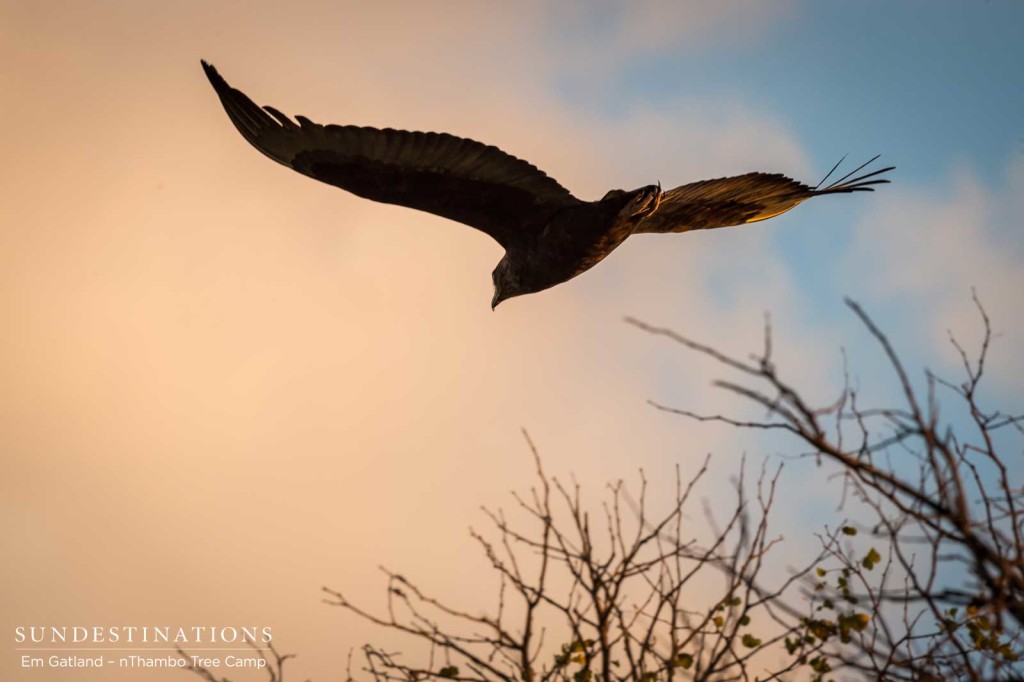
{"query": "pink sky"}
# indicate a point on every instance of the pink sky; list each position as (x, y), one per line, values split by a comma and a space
(228, 385)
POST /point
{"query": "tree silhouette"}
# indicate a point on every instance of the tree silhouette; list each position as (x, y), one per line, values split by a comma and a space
(926, 584)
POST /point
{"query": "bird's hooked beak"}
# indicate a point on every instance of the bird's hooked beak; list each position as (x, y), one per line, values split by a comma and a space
(496, 299)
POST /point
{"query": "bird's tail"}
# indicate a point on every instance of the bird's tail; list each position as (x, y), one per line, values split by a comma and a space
(861, 183)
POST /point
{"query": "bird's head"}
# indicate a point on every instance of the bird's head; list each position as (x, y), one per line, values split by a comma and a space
(507, 283)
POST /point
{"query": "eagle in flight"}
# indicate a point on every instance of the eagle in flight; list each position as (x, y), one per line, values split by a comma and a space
(549, 235)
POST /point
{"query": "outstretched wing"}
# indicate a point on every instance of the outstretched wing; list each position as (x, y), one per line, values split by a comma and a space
(745, 199)
(449, 176)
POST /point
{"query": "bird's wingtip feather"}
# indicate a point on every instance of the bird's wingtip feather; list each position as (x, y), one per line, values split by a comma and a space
(861, 183)
(215, 78)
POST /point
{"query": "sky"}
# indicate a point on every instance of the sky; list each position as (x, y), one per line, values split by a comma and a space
(225, 385)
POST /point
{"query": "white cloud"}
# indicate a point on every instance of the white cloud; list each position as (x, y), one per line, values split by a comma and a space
(597, 37)
(923, 249)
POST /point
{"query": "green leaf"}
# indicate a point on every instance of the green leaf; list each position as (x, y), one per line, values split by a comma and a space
(849, 530)
(750, 641)
(870, 559)
(684, 661)
(448, 672)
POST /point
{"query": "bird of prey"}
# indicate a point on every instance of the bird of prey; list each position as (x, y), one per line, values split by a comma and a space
(549, 235)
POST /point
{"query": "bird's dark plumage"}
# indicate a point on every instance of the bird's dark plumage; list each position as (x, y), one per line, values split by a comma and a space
(549, 235)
